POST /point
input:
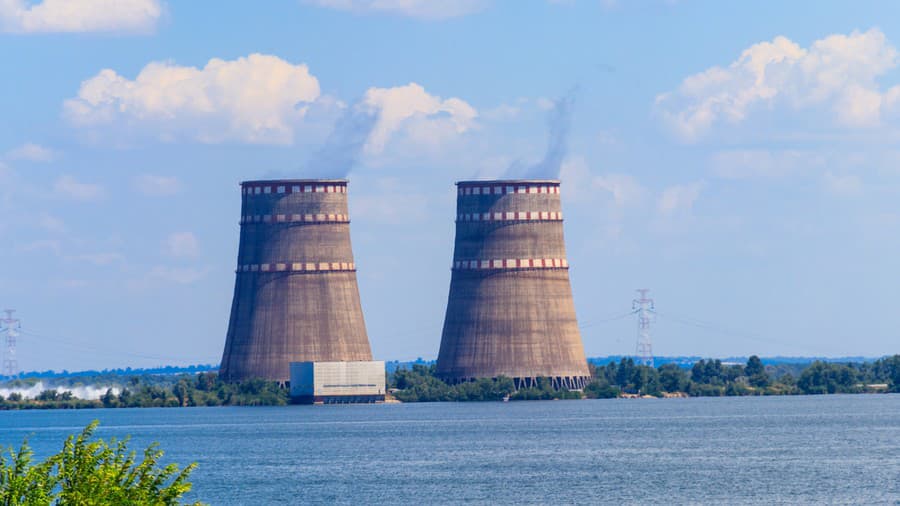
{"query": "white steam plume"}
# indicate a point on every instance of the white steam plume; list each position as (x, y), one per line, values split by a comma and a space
(88, 392)
(558, 122)
(341, 150)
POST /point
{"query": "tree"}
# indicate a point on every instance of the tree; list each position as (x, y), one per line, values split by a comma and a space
(756, 372)
(825, 378)
(754, 366)
(672, 378)
(48, 395)
(109, 398)
(92, 472)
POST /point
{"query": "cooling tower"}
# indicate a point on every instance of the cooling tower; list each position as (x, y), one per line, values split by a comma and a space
(510, 310)
(295, 294)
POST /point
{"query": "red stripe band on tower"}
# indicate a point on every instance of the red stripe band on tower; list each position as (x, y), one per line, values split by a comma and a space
(287, 189)
(508, 189)
(298, 267)
(511, 263)
(512, 216)
(295, 218)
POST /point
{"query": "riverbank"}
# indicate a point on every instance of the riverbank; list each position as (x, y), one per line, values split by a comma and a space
(625, 379)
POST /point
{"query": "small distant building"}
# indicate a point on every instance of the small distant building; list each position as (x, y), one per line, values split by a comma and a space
(337, 382)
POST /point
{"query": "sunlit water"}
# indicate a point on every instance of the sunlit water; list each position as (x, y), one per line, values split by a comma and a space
(782, 450)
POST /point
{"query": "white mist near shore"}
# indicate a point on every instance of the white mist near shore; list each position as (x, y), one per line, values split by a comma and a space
(87, 392)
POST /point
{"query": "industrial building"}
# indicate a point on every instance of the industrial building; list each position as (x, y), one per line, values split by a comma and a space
(510, 310)
(337, 382)
(295, 296)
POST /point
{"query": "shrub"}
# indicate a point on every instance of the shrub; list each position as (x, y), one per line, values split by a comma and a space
(91, 472)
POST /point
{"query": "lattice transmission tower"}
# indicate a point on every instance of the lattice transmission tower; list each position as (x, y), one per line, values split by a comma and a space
(646, 312)
(10, 366)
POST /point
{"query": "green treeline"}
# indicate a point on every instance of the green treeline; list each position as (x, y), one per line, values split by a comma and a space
(420, 384)
(712, 378)
(204, 389)
(707, 378)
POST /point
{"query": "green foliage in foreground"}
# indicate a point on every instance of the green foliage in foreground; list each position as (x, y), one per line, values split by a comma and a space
(204, 389)
(91, 472)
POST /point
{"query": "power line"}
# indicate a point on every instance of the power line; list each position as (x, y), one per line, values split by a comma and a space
(700, 324)
(106, 351)
(618, 316)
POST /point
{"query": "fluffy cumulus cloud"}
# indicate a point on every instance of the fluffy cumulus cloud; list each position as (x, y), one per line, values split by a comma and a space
(838, 74)
(422, 9)
(135, 16)
(410, 111)
(260, 99)
(254, 99)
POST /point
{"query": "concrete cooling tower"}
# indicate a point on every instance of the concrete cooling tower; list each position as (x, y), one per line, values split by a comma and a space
(510, 310)
(295, 294)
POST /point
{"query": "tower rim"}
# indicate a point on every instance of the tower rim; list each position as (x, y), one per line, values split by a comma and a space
(476, 182)
(273, 181)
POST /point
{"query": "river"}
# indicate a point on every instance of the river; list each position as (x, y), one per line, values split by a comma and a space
(838, 449)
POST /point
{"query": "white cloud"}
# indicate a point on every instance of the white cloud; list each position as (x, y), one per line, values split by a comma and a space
(422, 9)
(157, 186)
(31, 152)
(679, 198)
(182, 244)
(69, 187)
(133, 16)
(838, 74)
(844, 185)
(426, 120)
(763, 164)
(253, 99)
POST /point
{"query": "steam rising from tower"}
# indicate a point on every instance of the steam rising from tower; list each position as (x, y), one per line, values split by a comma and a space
(510, 311)
(295, 297)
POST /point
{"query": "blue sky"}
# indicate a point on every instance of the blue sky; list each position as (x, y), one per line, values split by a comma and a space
(739, 159)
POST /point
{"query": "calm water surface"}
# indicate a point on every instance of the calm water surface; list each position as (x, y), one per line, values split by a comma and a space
(775, 450)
